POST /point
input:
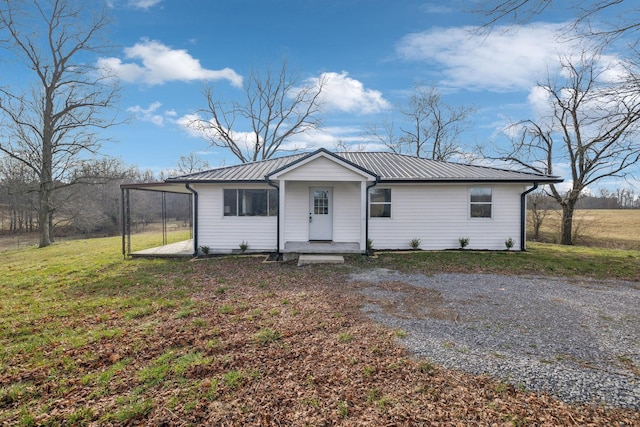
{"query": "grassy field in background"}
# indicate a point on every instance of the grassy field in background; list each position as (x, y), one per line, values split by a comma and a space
(607, 228)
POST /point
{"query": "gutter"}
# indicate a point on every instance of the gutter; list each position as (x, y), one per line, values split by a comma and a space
(277, 187)
(195, 218)
(523, 216)
(366, 217)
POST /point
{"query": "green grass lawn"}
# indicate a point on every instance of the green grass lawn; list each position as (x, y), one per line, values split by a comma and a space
(66, 311)
(540, 258)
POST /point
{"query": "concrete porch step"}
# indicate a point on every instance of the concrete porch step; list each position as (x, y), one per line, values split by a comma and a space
(320, 259)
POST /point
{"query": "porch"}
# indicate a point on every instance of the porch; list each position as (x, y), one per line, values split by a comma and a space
(293, 249)
(172, 250)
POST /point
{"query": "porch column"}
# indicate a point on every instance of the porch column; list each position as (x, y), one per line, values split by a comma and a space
(282, 214)
(363, 215)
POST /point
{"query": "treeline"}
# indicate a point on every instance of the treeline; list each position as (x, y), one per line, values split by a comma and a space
(622, 198)
(85, 203)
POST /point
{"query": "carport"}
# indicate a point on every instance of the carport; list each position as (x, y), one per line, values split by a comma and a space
(176, 249)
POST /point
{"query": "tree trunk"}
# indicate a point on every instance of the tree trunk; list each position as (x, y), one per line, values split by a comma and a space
(51, 238)
(43, 215)
(566, 231)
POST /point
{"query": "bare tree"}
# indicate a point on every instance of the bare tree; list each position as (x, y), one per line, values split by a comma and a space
(592, 126)
(517, 11)
(432, 126)
(385, 133)
(18, 187)
(186, 165)
(605, 19)
(49, 127)
(538, 209)
(191, 164)
(275, 109)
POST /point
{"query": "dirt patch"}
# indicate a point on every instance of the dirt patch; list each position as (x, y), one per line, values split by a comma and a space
(403, 300)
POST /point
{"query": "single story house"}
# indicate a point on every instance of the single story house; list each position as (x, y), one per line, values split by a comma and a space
(324, 202)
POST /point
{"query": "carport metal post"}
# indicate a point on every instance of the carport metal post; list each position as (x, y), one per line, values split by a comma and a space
(125, 203)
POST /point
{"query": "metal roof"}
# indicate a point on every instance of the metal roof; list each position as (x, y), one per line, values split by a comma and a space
(251, 172)
(389, 167)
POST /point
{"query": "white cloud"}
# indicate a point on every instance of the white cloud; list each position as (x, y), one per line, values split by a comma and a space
(160, 64)
(503, 60)
(151, 114)
(539, 100)
(143, 4)
(343, 93)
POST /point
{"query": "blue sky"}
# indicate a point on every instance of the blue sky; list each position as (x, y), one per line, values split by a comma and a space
(374, 52)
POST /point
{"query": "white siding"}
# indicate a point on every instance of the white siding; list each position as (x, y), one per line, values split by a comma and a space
(296, 214)
(222, 234)
(321, 169)
(438, 215)
(346, 211)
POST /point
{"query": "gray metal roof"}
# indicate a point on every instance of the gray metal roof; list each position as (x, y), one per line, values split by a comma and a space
(389, 167)
(251, 172)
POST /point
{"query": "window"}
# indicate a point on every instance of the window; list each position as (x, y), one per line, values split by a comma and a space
(380, 203)
(321, 202)
(480, 201)
(246, 202)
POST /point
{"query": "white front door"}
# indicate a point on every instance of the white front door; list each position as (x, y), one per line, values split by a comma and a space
(320, 214)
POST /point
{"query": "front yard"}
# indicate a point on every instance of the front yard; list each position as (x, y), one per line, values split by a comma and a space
(89, 339)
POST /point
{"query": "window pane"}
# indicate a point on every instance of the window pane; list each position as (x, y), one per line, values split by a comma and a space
(321, 203)
(380, 195)
(480, 195)
(230, 202)
(382, 210)
(252, 202)
(481, 210)
(273, 202)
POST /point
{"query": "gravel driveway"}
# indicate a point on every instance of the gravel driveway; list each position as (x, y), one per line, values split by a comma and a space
(577, 339)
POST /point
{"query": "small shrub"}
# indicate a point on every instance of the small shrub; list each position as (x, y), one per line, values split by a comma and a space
(369, 245)
(204, 250)
(244, 246)
(464, 242)
(414, 244)
(509, 243)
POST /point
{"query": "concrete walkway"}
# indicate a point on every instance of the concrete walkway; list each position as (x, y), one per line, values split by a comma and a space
(172, 250)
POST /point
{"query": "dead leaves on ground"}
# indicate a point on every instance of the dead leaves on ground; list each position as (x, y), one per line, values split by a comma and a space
(263, 344)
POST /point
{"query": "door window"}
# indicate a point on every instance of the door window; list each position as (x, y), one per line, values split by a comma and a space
(321, 202)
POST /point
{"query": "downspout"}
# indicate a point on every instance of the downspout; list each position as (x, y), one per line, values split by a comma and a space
(195, 218)
(123, 220)
(366, 218)
(271, 184)
(523, 216)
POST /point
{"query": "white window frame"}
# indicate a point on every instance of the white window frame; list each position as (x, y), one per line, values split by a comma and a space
(237, 214)
(471, 203)
(371, 202)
